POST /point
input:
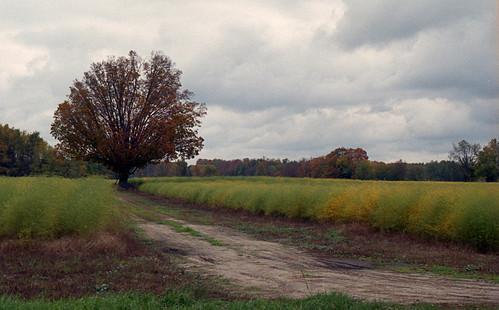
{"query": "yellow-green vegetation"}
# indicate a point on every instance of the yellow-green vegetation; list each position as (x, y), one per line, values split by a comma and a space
(464, 212)
(48, 207)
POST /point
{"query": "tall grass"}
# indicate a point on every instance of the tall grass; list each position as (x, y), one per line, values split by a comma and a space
(465, 212)
(46, 207)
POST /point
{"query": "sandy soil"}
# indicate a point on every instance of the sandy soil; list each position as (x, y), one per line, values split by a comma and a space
(272, 270)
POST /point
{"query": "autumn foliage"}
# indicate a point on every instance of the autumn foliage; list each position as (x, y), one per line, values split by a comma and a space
(127, 112)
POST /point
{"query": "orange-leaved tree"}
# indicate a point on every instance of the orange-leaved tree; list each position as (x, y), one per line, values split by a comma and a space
(127, 112)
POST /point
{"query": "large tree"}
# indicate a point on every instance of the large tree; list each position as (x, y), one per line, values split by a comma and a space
(127, 112)
(466, 154)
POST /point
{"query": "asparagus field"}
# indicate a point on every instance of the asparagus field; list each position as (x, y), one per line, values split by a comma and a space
(462, 212)
(32, 207)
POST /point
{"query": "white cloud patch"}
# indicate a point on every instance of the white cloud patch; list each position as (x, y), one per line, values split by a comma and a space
(18, 60)
(433, 119)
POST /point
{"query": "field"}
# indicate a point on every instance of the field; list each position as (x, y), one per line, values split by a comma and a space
(462, 212)
(42, 207)
(68, 244)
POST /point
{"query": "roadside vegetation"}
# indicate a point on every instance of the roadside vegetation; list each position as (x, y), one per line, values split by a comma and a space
(460, 212)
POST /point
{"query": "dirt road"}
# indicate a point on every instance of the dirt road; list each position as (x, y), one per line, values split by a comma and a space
(273, 270)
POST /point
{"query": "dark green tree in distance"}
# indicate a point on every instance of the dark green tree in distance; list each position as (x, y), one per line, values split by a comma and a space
(21, 153)
(466, 154)
(27, 154)
(488, 162)
(445, 170)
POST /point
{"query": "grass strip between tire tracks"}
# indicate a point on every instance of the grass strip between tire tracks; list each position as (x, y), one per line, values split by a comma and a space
(152, 215)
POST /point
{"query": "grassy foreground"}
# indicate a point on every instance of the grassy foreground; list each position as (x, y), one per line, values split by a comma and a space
(464, 212)
(182, 300)
(47, 207)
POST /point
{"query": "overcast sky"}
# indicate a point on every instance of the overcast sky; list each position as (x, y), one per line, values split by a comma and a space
(288, 79)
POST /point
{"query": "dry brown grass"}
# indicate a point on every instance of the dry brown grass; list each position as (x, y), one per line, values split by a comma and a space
(102, 243)
(76, 266)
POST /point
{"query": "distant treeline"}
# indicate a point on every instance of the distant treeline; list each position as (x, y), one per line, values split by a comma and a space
(342, 163)
(27, 154)
(329, 166)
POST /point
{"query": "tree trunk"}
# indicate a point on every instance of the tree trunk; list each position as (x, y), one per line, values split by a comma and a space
(123, 180)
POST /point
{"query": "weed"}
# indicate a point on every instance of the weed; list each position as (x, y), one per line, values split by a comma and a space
(443, 270)
(471, 268)
(334, 236)
(102, 288)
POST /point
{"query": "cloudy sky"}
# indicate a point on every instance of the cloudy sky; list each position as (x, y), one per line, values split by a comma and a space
(285, 78)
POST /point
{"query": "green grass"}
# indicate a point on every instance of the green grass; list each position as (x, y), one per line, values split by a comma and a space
(179, 227)
(183, 300)
(214, 241)
(464, 212)
(43, 207)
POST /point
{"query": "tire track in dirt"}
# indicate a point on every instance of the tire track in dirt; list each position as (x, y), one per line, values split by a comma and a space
(273, 270)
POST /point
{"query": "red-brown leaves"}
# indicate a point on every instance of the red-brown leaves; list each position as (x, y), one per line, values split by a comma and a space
(127, 112)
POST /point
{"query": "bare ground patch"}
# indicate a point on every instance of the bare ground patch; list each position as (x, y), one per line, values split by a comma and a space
(273, 270)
